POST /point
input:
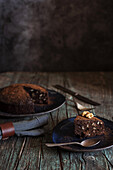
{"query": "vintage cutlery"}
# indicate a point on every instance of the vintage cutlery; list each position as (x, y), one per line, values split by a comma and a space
(76, 95)
(82, 108)
(85, 143)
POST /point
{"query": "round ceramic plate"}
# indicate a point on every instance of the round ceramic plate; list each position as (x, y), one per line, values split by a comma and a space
(64, 132)
(56, 100)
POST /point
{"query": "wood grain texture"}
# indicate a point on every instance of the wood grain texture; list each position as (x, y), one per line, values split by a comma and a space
(30, 152)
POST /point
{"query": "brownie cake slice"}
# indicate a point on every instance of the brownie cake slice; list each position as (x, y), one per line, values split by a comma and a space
(87, 125)
(22, 98)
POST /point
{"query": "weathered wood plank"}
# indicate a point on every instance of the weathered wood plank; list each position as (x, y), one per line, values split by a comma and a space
(31, 155)
(84, 86)
(7, 147)
(31, 152)
(14, 147)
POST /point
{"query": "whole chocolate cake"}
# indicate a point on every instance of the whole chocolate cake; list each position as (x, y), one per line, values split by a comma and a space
(22, 98)
(87, 125)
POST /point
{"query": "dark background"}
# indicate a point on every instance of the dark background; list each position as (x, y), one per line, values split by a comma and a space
(56, 35)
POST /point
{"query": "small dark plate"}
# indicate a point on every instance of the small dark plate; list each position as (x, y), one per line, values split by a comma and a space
(56, 100)
(64, 132)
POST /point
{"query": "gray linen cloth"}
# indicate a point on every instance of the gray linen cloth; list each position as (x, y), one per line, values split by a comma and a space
(30, 127)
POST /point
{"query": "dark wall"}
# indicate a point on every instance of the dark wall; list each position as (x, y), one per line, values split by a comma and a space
(56, 35)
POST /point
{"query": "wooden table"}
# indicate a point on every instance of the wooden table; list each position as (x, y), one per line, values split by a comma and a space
(24, 153)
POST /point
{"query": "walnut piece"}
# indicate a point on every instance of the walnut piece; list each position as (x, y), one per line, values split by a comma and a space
(87, 114)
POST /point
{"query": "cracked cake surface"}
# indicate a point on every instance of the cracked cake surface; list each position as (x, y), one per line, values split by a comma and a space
(22, 98)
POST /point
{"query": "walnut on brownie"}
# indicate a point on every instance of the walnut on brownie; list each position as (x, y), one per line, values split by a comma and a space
(22, 98)
(87, 125)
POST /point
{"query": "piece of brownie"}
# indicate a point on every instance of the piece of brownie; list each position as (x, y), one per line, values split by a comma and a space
(22, 98)
(88, 127)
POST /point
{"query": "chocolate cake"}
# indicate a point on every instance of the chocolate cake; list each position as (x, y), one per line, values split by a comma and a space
(22, 98)
(87, 125)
